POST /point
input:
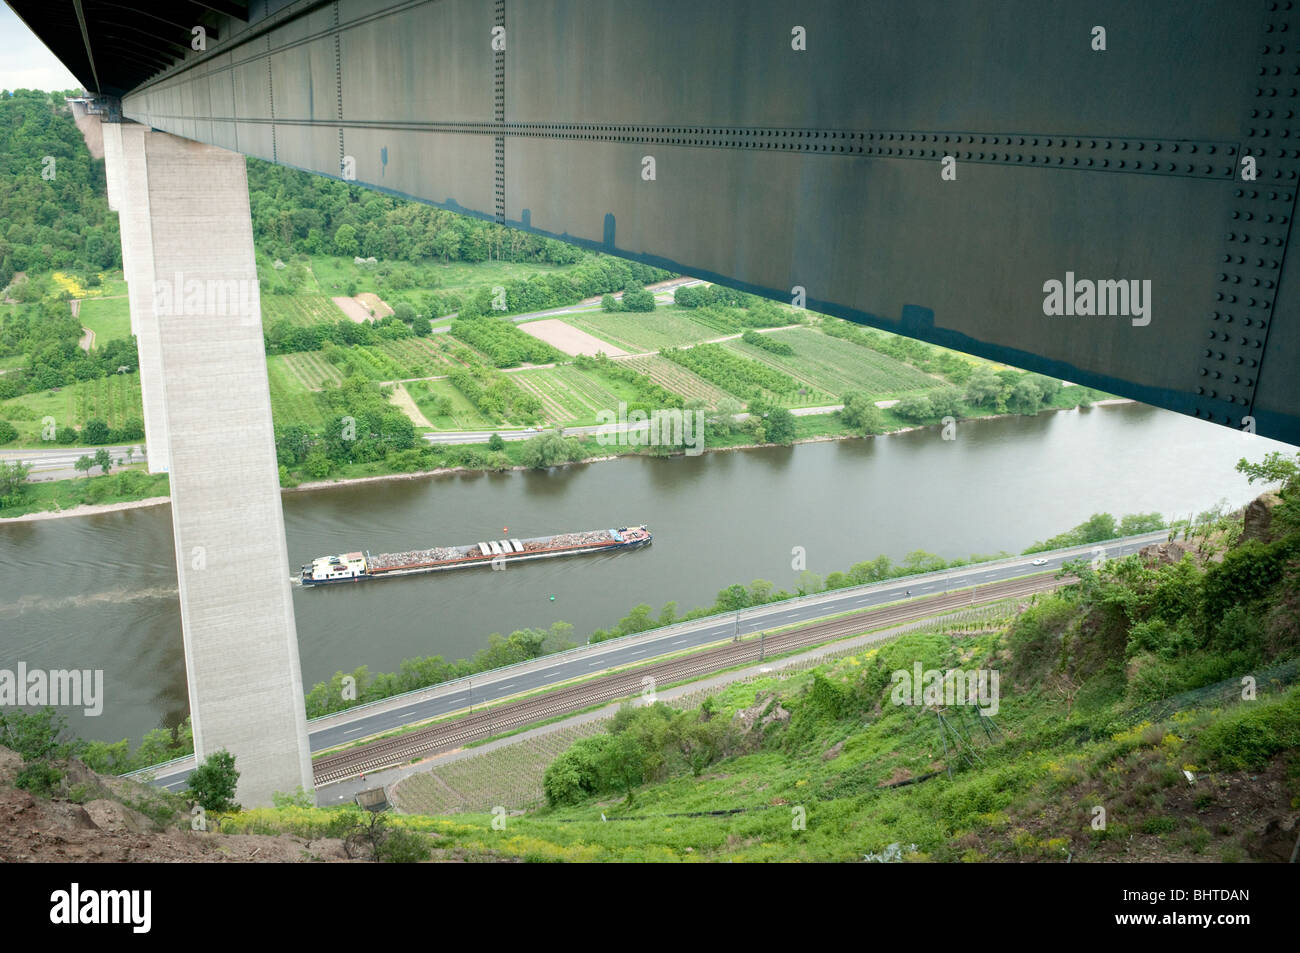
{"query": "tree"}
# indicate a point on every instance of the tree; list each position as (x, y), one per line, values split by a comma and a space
(1274, 468)
(914, 407)
(495, 442)
(212, 784)
(1026, 397)
(1135, 523)
(1050, 387)
(12, 477)
(95, 431)
(861, 413)
(8, 431)
(780, 426)
(945, 401)
(84, 463)
(724, 418)
(984, 389)
(421, 327)
(638, 300)
(345, 242)
(550, 449)
(609, 303)
(1099, 527)
(809, 582)
(103, 460)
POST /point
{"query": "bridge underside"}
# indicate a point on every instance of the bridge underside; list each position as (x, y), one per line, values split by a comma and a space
(777, 167)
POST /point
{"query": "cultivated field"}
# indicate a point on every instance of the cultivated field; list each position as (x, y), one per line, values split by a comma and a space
(637, 333)
(509, 776)
(569, 339)
(463, 416)
(571, 396)
(300, 310)
(308, 369)
(113, 400)
(677, 379)
(292, 402)
(838, 366)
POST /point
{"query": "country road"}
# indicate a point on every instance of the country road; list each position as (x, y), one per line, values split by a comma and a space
(56, 463)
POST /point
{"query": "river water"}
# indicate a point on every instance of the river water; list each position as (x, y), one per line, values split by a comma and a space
(99, 592)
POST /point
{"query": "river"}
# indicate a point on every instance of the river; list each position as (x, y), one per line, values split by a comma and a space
(99, 592)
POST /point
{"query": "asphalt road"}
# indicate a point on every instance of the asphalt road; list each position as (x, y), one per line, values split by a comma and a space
(56, 463)
(491, 686)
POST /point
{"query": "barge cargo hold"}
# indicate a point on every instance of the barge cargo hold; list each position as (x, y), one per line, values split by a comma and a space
(356, 567)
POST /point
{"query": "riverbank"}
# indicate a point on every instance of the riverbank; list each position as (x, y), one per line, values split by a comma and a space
(816, 429)
(87, 509)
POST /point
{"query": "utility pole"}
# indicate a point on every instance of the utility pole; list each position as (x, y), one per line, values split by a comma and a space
(761, 637)
(735, 636)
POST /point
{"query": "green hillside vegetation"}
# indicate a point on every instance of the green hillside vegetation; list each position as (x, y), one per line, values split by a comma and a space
(55, 213)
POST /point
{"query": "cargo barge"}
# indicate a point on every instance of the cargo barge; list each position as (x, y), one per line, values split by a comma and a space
(356, 567)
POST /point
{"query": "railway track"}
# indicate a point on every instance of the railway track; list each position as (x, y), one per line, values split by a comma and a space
(449, 735)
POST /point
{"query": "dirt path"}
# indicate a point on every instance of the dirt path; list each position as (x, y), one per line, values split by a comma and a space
(406, 403)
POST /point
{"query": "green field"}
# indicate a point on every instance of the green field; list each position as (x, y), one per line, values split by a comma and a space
(571, 396)
(109, 318)
(300, 310)
(463, 416)
(677, 379)
(664, 327)
(292, 400)
(111, 399)
(308, 369)
(838, 366)
(418, 357)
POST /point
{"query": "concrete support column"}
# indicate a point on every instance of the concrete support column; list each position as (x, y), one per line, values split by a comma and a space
(186, 218)
(131, 172)
(113, 163)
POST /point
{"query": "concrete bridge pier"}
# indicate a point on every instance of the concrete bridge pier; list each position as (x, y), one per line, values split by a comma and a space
(188, 244)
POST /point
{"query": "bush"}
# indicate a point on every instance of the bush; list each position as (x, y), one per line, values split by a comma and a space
(8, 432)
(96, 431)
(495, 442)
(39, 777)
(766, 342)
(1035, 637)
(400, 846)
(1247, 737)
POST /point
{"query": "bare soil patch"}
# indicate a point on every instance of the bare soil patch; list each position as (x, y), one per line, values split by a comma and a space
(569, 339)
(351, 307)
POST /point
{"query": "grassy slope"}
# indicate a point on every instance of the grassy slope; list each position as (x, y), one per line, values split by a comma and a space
(109, 318)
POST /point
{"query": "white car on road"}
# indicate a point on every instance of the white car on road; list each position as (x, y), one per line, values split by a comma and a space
(1039, 562)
